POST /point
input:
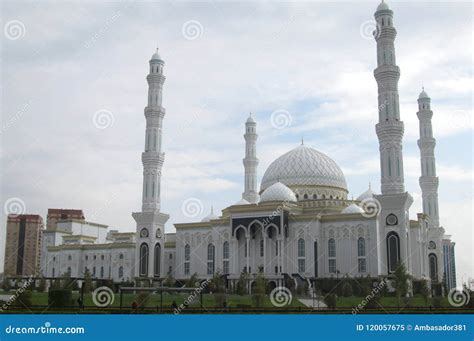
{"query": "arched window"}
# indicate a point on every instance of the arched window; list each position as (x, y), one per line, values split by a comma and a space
(361, 247)
(433, 261)
(211, 252)
(157, 260)
(121, 256)
(101, 272)
(143, 260)
(261, 248)
(305, 196)
(120, 272)
(69, 270)
(332, 248)
(301, 256)
(225, 254)
(393, 251)
(69, 257)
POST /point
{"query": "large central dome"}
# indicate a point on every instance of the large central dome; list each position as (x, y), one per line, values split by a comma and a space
(302, 168)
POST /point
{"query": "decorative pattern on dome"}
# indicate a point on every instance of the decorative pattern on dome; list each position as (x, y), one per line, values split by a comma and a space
(278, 192)
(304, 166)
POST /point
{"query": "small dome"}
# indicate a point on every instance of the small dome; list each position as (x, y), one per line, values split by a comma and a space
(250, 119)
(383, 6)
(278, 192)
(242, 202)
(209, 217)
(423, 94)
(366, 195)
(156, 56)
(352, 208)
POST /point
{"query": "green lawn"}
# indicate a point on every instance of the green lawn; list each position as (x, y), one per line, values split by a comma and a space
(416, 301)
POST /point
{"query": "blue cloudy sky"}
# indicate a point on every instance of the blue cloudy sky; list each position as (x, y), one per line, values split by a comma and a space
(312, 61)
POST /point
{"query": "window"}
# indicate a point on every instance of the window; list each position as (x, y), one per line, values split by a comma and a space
(69, 257)
(157, 260)
(69, 270)
(301, 265)
(101, 272)
(332, 248)
(187, 259)
(121, 256)
(225, 266)
(433, 261)
(102, 257)
(211, 259)
(53, 273)
(431, 245)
(261, 248)
(143, 260)
(276, 247)
(393, 251)
(120, 272)
(301, 247)
(93, 271)
(362, 264)
(361, 247)
(87, 257)
(95, 257)
(225, 250)
(332, 266)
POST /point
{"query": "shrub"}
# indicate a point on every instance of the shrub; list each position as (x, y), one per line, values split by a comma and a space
(437, 302)
(60, 298)
(330, 300)
(346, 289)
(6, 285)
(24, 298)
(258, 294)
(241, 287)
(142, 299)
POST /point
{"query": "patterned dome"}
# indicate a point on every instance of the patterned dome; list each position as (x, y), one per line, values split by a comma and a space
(278, 192)
(304, 166)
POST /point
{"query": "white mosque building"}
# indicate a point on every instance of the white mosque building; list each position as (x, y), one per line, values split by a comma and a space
(299, 224)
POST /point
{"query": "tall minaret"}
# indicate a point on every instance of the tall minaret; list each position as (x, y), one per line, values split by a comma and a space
(250, 161)
(426, 143)
(389, 129)
(150, 222)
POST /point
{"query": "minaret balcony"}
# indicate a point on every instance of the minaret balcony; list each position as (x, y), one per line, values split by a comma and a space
(153, 158)
(389, 130)
(386, 71)
(155, 78)
(426, 143)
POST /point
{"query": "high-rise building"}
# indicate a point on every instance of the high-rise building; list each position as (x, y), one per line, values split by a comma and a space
(56, 214)
(23, 245)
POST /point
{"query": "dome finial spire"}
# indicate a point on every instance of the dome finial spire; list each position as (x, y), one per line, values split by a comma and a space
(302, 141)
(370, 185)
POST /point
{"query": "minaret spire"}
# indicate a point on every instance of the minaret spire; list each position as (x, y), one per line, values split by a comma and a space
(428, 179)
(250, 161)
(150, 221)
(389, 129)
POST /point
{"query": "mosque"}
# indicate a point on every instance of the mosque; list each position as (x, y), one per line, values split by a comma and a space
(299, 224)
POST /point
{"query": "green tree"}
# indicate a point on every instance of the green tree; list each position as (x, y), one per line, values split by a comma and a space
(258, 293)
(41, 285)
(241, 287)
(216, 285)
(87, 284)
(401, 278)
(169, 281)
(193, 281)
(425, 291)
